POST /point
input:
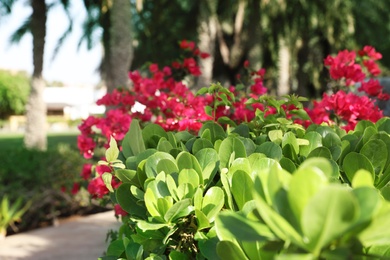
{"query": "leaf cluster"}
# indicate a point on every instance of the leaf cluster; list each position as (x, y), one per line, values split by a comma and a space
(245, 194)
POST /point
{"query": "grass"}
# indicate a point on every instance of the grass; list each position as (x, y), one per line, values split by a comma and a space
(10, 141)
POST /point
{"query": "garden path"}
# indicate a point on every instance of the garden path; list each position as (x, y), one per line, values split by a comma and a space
(81, 238)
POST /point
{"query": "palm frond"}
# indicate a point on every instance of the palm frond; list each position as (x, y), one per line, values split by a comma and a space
(21, 31)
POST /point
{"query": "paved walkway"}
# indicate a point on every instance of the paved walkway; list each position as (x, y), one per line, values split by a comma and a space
(82, 238)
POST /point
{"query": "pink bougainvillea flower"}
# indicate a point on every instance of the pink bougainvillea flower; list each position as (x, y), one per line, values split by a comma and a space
(87, 171)
(119, 211)
(370, 52)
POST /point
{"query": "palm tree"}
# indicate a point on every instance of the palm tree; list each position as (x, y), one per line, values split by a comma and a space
(114, 18)
(35, 133)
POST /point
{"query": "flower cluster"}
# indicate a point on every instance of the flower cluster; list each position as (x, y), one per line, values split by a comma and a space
(345, 107)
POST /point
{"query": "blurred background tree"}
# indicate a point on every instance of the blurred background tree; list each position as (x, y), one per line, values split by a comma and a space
(290, 38)
(14, 90)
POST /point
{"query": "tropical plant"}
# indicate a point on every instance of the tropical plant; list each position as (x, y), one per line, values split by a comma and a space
(11, 213)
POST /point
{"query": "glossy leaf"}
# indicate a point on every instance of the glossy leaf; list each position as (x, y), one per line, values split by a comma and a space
(241, 187)
(228, 250)
(151, 135)
(133, 142)
(231, 146)
(376, 152)
(271, 150)
(152, 162)
(213, 202)
(200, 144)
(328, 215)
(315, 140)
(241, 228)
(354, 162)
(177, 210)
(112, 152)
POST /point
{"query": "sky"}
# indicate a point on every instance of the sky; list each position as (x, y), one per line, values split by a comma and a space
(71, 66)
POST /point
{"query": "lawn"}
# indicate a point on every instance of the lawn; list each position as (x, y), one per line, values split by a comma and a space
(9, 141)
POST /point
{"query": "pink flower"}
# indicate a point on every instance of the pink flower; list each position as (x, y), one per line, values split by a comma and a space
(371, 87)
(119, 211)
(87, 171)
(370, 52)
(75, 189)
(97, 188)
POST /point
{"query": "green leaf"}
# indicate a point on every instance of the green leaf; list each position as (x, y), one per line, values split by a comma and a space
(176, 255)
(363, 124)
(376, 153)
(315, 140)
(378, 232)
(354, 162)
(328, 215)
(362, 178)
(320, 152)
(167, 165)
(116, 248)
(133, 143)
(146, 225)
(290, 138)
(151, 203)
(152, 134)
(107, 178)
(216, 131)
(164, 145)
(230, 146)
(271, 150)
(128, 202)
(241, 228)
(112, 152)
(278, 225)
(202, 220)
(242, 130)
(287, 164)
(152, 162)
(185, 160)
(242, 186)
(228, 250)
(200, 144)
(276, 136)
(125, 175)
(188, 176)
(213, 202)
(176, 210)
(304, 184)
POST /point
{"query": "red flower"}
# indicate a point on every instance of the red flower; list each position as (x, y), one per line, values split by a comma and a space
(246, 64)
(370, 52)
(75, 189)
(87, 171)
(119, 211)
(372, 67)
(371, 87)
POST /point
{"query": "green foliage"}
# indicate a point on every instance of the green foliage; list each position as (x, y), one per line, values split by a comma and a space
(14, 90)
(11, 213)
(39, 176)
(259, 190)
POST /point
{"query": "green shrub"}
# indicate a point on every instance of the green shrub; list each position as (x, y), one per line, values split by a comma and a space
(40, 177)
(14, 90)
(252, 193)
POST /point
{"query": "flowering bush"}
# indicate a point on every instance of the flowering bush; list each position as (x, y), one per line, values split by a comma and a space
(343, 106)
(160, 96)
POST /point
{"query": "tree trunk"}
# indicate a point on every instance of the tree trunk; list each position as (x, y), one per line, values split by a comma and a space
(120, 51)
(207, 32)
(35, 134)
(284, 68)
(255, 39)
